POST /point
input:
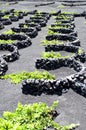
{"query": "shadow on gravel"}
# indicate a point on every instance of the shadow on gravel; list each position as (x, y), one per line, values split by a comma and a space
(60, 93)
(47, 93)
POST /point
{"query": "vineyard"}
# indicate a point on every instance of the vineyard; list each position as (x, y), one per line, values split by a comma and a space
(42, 65)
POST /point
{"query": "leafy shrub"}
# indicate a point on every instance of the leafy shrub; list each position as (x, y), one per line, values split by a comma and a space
(57, 26)
(80, 51)
(37, 116)
(6, 17)
(68, 13)
(7, 41)
(9, 32)
(60, 6)
(52, 54)
(18, 77)
(52, 42)
(58, 22)
(52, 32)
(25, 26)
(64, 17)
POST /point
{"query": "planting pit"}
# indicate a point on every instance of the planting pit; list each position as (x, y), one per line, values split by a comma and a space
(22, 39)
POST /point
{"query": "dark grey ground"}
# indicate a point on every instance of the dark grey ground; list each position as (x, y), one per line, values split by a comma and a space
(72, 106)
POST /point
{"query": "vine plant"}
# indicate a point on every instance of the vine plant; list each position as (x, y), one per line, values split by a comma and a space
(52, 32)
(7, 41)
(52, 54)
(52, 42)
(9, 32)
(56, 26)
(37, 116)
(18, 77)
